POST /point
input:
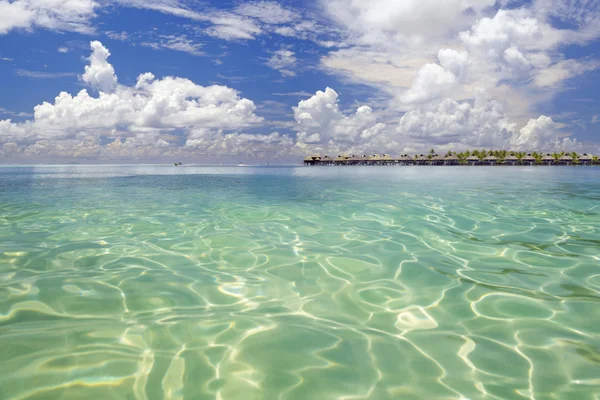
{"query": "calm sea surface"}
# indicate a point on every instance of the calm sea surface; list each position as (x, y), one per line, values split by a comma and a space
(157, 282)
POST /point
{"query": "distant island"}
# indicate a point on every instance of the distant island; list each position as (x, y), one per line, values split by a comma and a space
(475, 157)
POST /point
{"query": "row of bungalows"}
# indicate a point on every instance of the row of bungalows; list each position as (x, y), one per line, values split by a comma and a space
(452, 159)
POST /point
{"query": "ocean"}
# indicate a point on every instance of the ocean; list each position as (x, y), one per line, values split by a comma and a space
(162, 282)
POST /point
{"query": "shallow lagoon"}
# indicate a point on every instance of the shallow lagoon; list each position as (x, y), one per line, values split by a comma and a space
(152, 282)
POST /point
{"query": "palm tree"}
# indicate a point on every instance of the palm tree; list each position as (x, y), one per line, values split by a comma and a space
(595, 159)
(462, 157)
(431, 154)
(500, 155)
(575, 157)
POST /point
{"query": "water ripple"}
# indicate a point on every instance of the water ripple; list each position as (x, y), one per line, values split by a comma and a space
(291, 283)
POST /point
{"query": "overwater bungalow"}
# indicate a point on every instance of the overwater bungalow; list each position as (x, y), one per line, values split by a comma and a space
(451, 160)
(387, 159)
(490, 160)
(421, 160)
(405, 159)
(528, 159)
(437, 160)
(548, 159)
(473, 160)
(511, 160)
(312, 160)
(565, 160)
(585, 159)
(353, 160)
(375, 159)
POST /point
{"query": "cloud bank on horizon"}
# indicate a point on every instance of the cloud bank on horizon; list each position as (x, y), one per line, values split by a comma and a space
(268, 80)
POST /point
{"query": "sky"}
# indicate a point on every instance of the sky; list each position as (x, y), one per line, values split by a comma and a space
(94, 81)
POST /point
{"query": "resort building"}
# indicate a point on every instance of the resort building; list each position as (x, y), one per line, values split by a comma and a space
(421, 160)
(548, 159)
(451, 160)
(405, 159)
(528, 159)
(437, 160)
(565, 160)
(473, 160)
(490, 160)
(585, 159)
(511, 160)
(493, 158)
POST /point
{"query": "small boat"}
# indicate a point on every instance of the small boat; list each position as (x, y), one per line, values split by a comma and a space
(241, 165)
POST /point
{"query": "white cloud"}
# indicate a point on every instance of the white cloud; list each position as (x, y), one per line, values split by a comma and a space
(511, 55)
(269, 12)
(63, 49)
(229, 26)
(319, 119)
(121, 36)
(152, 106)
(283, 60)
(484, 124)
(387, 23)
(207, 141)
(59, 15)
(537, 134)
(100, 74)
(42, 74)
(176, 43)
(554, 75)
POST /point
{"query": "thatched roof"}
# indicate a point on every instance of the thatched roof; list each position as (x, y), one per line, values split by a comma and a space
(585, 157)
(438, 158)
(387, 157)
(547, 157)
(452, 157)
(510, 158)
(472, 158)
(421, 157)
(529, 157)
(326, 158)
(566, 157)
(490, 158)
(405, 157)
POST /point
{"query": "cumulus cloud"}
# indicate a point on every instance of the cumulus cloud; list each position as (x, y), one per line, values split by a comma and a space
(483, 124)
(437, 58)
(152, 106)
(100, 74)
(319, 120)
(208, 141)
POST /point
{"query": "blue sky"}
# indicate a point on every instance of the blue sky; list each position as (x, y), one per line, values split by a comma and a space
(266, 80)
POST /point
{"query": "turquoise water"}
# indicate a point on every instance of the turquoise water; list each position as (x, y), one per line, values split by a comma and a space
(156, 282)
